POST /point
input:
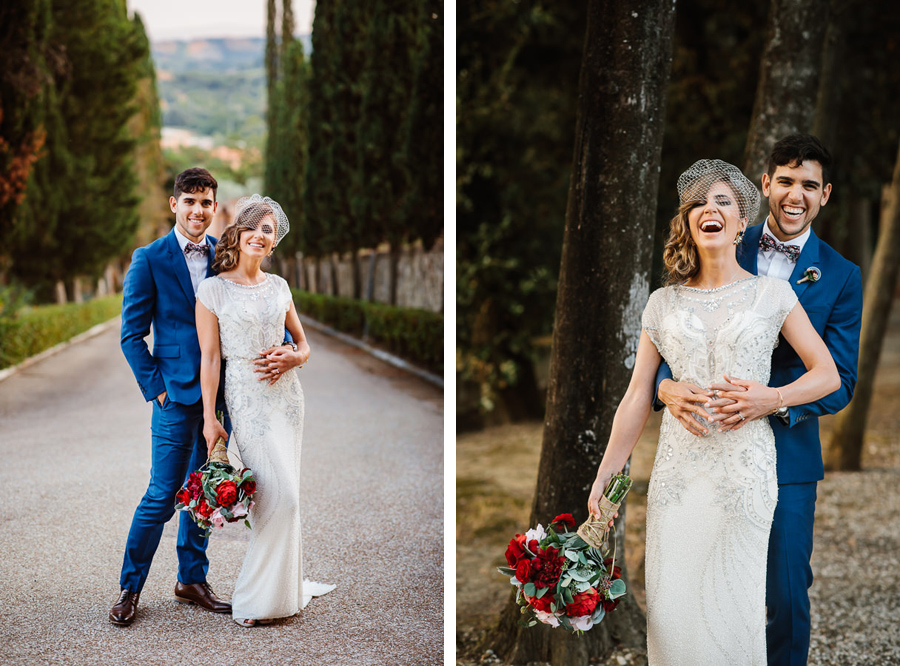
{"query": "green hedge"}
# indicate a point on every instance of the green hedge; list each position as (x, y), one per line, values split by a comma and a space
(33, 330)
(416, 335)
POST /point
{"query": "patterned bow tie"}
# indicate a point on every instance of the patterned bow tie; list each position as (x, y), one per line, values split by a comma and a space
(767, 243)
(192, 248)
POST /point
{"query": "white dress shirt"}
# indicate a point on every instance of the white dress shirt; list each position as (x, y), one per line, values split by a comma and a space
(197, 264)
(776, 264)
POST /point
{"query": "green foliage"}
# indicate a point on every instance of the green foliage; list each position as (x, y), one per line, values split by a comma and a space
(517, 71)
(224, 105)
(81, 206)
(33, 330)
(24, 70)
(424, 129)
(417, 335)
(380, 182)
(373, 166)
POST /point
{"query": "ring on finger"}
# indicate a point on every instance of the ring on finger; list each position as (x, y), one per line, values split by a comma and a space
(742, 416)
(276, 371)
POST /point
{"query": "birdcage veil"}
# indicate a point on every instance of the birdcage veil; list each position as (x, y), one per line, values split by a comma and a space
(250, 211)
(694, 183)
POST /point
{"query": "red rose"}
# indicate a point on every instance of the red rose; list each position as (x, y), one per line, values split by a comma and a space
(226, 493)
(609, 605)
(249, 486)
(204, 509)
(542, 604)
(195, 485)
(616, 571)
(584, 603)
(551, 567)
(514, 551)
(533, 545)
(183, 496)
(565, 519)
(523, 570)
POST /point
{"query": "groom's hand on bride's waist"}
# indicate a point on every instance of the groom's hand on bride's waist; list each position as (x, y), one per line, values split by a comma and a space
(275, 361)
(739, 401)
(684, 400)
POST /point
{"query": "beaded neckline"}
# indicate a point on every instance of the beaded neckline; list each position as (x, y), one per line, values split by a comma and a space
(717, 289)
(245, 286)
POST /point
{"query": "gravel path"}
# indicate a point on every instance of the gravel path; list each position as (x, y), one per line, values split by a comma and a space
(75, 445)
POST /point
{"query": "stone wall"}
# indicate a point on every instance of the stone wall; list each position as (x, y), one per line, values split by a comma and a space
(420, 278)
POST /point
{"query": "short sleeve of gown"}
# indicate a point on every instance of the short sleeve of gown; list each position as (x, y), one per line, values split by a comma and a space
(782, 298)
(210, 294)
(284, 293)
(651, 320)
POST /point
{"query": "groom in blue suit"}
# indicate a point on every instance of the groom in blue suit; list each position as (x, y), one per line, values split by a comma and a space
(830, 290)
(159, 290)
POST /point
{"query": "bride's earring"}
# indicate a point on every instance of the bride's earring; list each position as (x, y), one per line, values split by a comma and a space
(739, 237)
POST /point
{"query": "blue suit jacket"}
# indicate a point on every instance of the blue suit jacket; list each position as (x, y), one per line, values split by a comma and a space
(834, 306)
(158, 291)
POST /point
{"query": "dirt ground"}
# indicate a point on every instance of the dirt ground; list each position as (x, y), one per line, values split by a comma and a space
(856, 562)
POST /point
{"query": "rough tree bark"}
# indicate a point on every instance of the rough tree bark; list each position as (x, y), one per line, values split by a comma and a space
(845, 450)
(603, 288)
(788, 80)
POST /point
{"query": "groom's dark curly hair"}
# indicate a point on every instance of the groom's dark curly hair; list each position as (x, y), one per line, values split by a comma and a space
(194, 180)
(795, 149)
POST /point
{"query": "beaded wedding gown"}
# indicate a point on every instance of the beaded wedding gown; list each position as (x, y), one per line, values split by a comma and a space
(711, 499)
(267, 424)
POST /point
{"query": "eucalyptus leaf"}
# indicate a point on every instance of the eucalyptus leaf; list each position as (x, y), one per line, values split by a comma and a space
(564, 582)
(617, 589)
(507, 571)
(530, 589)
(572, 555)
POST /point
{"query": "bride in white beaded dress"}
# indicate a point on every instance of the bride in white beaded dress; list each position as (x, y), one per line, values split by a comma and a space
(242, 314)
(712, 497)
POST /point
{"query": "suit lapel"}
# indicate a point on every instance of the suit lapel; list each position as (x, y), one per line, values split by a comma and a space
(211, 257)
(808, 257)
(179, 265)
(750, 248)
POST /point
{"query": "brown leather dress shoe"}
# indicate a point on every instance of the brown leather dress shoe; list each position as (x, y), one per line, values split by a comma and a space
(124, 610)
(202, 595)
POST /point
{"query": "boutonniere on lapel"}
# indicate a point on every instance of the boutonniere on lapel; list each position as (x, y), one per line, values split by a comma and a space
(812, 274)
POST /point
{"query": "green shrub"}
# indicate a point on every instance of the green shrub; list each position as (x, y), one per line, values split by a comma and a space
(33, 330)
(416, 335)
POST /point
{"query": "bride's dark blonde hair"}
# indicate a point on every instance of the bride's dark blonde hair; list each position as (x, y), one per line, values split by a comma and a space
(680, 257)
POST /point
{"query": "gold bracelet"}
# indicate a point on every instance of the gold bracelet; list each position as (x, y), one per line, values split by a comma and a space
(780, 401)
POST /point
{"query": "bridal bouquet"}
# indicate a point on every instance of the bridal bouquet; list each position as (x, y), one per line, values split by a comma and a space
(561, 579)
(217, 493)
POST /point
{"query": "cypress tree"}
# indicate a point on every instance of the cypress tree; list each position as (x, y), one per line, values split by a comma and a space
(422, 151)
(82, 209)
(318, 172)
(24, 82)
(387, 83)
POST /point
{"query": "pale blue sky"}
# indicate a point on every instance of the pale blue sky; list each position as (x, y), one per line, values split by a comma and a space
(187, 19)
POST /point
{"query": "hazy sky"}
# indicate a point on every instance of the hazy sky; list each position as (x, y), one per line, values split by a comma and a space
(186, 19)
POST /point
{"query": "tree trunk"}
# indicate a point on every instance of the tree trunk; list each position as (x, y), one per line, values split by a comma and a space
(845, 449)
(333, 265)
(357, 275)
(603, 288)
(788, 80)
(394, 275)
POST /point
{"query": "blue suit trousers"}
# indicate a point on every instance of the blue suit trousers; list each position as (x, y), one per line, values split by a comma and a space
(178, 448)
(789, 575)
